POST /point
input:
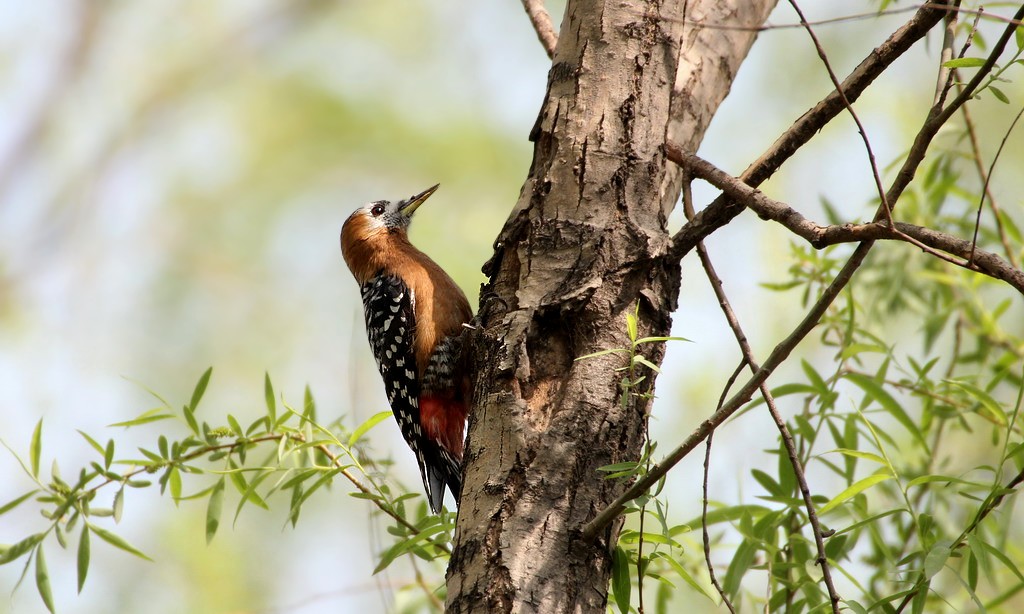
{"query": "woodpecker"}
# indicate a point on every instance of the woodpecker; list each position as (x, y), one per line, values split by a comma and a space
(414, 317)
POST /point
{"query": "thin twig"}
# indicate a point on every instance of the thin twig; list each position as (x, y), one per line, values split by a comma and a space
(434, 601)
(944, 78)
(336, 460)
(296, 437)
(849, 108)
(780, 424)
(972, 135)
(705, 535)
(728, 26)
(984, 189)
(541, 21)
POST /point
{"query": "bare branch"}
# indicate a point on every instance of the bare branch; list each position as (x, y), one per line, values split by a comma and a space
(705, 535)
(722, 210)
(541, 21)
(822, 236)
(780, 424)
(849, 108)
(844, 19)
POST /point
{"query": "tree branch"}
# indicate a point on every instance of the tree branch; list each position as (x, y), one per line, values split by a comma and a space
(721, 211)
(819, 236)
(541, 21)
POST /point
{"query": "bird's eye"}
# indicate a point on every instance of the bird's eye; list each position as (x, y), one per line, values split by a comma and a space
(377, 210)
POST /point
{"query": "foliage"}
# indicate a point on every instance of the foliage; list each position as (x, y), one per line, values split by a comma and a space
(284, 454)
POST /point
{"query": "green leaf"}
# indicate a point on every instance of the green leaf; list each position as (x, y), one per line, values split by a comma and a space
(621, 582)
(146, 417)
(936, 558)
(250, 494)
(236, 428)
(268, 393)
(1005, 560)
(854, 489)
(865, 455)
(643, 340)
(875, 391)
(999, 95)
(83, 557)
(190, 419)
(117, 541)
(639, 359)
(631, 327)
(308, 405)
(92, 442)
(632, 537)
(617, 467)
(16, 502)
(741, 562)
(990, 408)
(785, 389)
(118, 504)
(428, 527)
(62, 539)
(370, 422)
(174, 481)
(36, 447)
(768, 483)
(964, 63)
(43, 580)
(197, 393)
(108, 454)
(946, 479)
(682, 573)
(15, 552)
(816, 380)
(729, 514)
(213, 510)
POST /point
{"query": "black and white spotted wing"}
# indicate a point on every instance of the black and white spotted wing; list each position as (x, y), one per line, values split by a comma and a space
(389, 308)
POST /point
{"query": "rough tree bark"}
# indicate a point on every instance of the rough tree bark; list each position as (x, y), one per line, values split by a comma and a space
(585, 244)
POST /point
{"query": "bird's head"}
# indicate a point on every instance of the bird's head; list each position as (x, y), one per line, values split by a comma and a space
(387, 215)
(366, 231)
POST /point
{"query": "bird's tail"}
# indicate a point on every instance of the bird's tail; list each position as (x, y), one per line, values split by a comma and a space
(445, 471)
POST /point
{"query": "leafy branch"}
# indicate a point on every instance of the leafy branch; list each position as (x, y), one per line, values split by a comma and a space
(281, 452)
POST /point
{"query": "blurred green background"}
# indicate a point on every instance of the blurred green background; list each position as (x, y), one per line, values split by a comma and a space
(173, 178)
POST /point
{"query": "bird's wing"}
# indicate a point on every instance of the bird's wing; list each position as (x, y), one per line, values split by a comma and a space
(389, 308)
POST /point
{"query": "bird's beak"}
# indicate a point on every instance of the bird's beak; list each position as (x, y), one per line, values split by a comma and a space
(413, 203)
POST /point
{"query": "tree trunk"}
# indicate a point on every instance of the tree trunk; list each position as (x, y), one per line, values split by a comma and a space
(586, 244)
